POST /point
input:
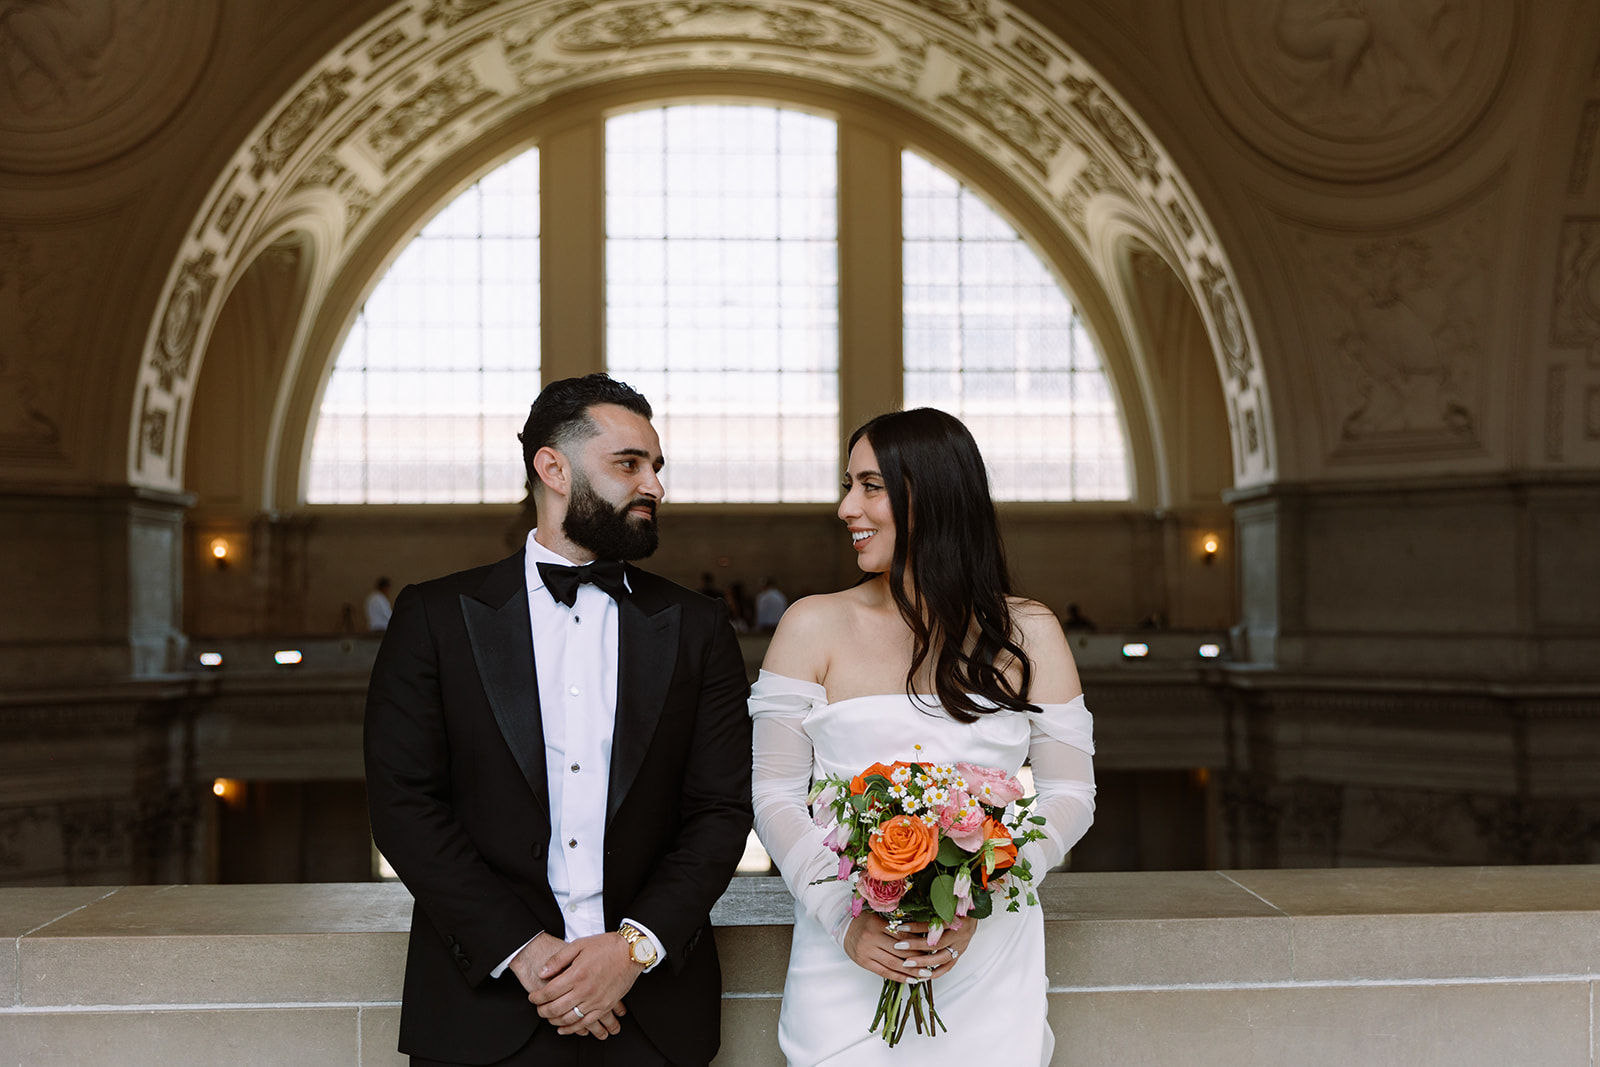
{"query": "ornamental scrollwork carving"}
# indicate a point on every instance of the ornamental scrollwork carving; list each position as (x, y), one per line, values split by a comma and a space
(970, 15)
(1120, 133)
(296, 122)
(450, 12)
(1228, 321)
(437, 103)
(180, 323)
(658, 23)
(1001, 111)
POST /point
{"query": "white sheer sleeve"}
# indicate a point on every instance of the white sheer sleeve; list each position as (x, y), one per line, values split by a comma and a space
(1060, 750)
(781, 778)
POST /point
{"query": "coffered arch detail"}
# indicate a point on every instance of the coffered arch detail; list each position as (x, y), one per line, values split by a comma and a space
(377, 116)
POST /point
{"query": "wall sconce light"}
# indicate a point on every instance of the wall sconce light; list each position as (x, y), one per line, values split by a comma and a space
(228, 790)
(219, 551)
(1208, 548)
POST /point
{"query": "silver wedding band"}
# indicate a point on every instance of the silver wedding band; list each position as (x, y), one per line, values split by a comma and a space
(577, 1011)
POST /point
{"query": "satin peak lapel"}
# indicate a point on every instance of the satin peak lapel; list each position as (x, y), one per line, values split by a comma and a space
(502, 645)
(647, 653)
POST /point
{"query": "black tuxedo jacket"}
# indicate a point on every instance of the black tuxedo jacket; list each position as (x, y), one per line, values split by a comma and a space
(456, 788)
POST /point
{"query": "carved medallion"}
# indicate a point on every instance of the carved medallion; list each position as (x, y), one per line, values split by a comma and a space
(1352, 90)
(75, 82)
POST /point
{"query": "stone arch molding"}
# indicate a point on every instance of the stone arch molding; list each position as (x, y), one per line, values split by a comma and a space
(365, 124)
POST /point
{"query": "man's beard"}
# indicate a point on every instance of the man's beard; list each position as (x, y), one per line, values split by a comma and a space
(593, 522)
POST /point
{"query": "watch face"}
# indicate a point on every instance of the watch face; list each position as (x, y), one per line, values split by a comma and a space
(643, 951)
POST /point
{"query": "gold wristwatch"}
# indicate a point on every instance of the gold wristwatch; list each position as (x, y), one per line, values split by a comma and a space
(640, 948)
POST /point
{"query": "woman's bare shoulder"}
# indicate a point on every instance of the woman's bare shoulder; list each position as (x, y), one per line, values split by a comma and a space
(1055, 673)
(802, 644)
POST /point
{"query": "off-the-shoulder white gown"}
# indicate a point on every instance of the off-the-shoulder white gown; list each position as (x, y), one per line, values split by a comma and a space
(993, 999)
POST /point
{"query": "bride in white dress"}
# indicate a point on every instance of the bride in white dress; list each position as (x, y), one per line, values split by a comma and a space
(862, 676)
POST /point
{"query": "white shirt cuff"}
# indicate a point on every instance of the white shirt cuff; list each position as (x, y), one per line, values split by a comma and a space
(661, 953)
(498, 971)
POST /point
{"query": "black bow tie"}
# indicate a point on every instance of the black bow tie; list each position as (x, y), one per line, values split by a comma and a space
(563, 582)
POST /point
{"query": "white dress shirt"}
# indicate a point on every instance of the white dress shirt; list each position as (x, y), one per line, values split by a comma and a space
(575, 660)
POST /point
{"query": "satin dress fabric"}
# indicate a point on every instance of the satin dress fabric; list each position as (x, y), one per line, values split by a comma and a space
(993, 1000)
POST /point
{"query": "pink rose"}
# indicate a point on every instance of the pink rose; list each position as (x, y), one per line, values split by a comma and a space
(990, 785)
(969, 840)
(882, 897)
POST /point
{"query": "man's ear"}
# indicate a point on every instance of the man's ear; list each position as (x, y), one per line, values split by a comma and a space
(552, 469)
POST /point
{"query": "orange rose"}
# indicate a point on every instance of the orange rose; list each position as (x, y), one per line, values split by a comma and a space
(1004, 854)
(901, 848)
(858, 784)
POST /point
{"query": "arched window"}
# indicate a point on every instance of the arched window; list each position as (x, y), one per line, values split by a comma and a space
(721, 302)
(443, 360)
(991, 338)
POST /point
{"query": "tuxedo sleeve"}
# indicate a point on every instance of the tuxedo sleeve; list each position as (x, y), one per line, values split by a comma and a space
(414, 822)
(678, 894)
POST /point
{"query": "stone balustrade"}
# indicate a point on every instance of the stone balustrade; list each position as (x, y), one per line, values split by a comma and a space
(1458, 966)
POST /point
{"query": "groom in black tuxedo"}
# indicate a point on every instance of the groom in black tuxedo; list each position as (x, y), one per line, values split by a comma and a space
(558, 766)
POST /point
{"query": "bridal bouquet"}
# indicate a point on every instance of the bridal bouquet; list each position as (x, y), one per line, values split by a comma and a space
(927, 842)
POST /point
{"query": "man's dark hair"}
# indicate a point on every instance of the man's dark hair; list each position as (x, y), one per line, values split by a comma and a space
(560, 415)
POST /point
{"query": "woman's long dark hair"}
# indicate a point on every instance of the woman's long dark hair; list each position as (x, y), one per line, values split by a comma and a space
(947, 535)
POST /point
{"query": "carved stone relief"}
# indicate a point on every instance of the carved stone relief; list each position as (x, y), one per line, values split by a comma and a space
(180, 323)
(1351, 89)
(38, 272)
(1576, 320)
(296, 122)
(75, 88)
(1401, 332)
(417, 80)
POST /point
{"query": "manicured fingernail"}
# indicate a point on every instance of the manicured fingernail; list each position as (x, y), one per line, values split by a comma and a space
(908, 965)
(902, 944)
(925, 973)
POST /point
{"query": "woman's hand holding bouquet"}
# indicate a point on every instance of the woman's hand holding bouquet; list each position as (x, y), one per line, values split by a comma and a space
(931, 845)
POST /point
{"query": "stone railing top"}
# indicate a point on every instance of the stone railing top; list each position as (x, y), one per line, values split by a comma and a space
(345, 943)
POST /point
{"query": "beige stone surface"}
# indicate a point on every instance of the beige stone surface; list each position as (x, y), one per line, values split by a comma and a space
(749, 1033)
(304, 1037)
(24, 910)
(1185, 926)
(1426, 890)
(222, 945)
(1510, 945)
(380, 1036)
(199, 910)
(754, 958)
(1489, 1025)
